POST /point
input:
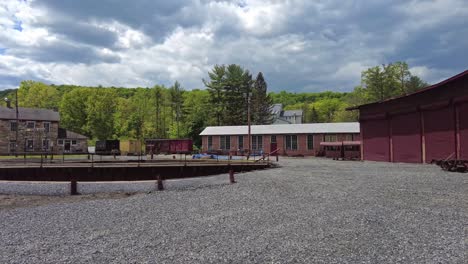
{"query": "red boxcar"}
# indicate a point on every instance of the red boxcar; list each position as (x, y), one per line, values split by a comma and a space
(169, 146)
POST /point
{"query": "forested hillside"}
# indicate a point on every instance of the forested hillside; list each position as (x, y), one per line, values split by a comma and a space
(173, 112)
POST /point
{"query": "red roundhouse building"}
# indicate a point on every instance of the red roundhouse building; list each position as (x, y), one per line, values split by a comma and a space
(430, 124)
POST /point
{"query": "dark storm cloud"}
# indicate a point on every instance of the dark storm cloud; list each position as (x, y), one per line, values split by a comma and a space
(155, 18)
(300, 46)
(58, 52)
(83, 33)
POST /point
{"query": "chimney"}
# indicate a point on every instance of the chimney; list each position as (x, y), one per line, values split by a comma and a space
(8, 102)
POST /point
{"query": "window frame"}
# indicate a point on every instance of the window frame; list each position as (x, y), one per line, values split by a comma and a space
(26, 144)
(210, 142)
(10, 149)
(240, 142)
(257, 142)
(47, 130)
(11, 127)
(225, 142)
(48, 144)
(310, 141)
(30, 122)
(290, 142)
(73, 144)
(273, 141)
(329, 137)
(60, 140)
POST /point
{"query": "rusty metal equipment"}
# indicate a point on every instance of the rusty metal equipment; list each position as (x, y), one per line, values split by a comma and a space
(452, 165)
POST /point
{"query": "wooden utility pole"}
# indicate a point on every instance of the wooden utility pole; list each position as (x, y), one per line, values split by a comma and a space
(17, 123)
(249, 139)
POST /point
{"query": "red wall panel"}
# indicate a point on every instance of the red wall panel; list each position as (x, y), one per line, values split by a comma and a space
(439, 128)
(406, 138)
(463, 124)
(376, 141)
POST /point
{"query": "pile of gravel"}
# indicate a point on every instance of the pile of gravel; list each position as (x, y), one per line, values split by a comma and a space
(307, 211)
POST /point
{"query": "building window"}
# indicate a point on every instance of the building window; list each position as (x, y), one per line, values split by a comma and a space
(13, 126)
(210, 142)
(29, 144)
(30, 124)
(60, 142)
(240, 142)
(273, 139)
(46, 127)
(45, 144)
(12, 146)
(291, 142)
(310, 142)
(349, 137)
(257, 142)
(73, 142)
(330, 138)
(225, 142)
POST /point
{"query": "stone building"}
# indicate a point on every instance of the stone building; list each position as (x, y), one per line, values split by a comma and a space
(36, 130)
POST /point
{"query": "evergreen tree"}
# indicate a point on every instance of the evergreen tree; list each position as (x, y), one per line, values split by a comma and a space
(415, 83)
(261, 102)
(216, 89)
(177, 101)
(237, 89)
(314, 116)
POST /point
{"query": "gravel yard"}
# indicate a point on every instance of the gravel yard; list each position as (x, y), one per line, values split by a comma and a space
(308, 211)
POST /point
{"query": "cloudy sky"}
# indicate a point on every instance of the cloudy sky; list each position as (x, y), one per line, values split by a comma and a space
(299, 45)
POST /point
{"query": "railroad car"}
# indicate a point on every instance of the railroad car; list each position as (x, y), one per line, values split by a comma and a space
(130, 147)
(107, 147)
(169, 146)
(349, 150)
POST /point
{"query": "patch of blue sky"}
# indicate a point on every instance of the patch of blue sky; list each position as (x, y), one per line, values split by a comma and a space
(18, 26)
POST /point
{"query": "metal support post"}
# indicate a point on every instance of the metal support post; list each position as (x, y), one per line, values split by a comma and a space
(231, 176)
(73, 187)
(160, 183)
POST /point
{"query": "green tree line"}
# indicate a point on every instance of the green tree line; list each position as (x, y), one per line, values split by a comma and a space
(173, 112)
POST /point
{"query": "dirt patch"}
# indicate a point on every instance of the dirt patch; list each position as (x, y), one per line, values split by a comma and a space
(18, 201)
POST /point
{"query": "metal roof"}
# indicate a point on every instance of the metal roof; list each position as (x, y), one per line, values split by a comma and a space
(67, 134)
(316, 128)
(276, 109)
(292, 113)
(29, 114)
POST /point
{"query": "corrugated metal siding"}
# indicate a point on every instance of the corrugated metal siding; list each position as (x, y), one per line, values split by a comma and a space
(406, 138)
(439, 127)
(376, 139)
(463, 124)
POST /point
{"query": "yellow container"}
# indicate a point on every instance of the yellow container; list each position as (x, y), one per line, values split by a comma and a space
(130, 147)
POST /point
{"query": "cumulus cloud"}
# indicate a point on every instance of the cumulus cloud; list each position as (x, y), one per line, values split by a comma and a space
(299, 45)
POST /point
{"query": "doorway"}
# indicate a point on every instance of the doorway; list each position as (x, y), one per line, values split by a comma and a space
(67, 146)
